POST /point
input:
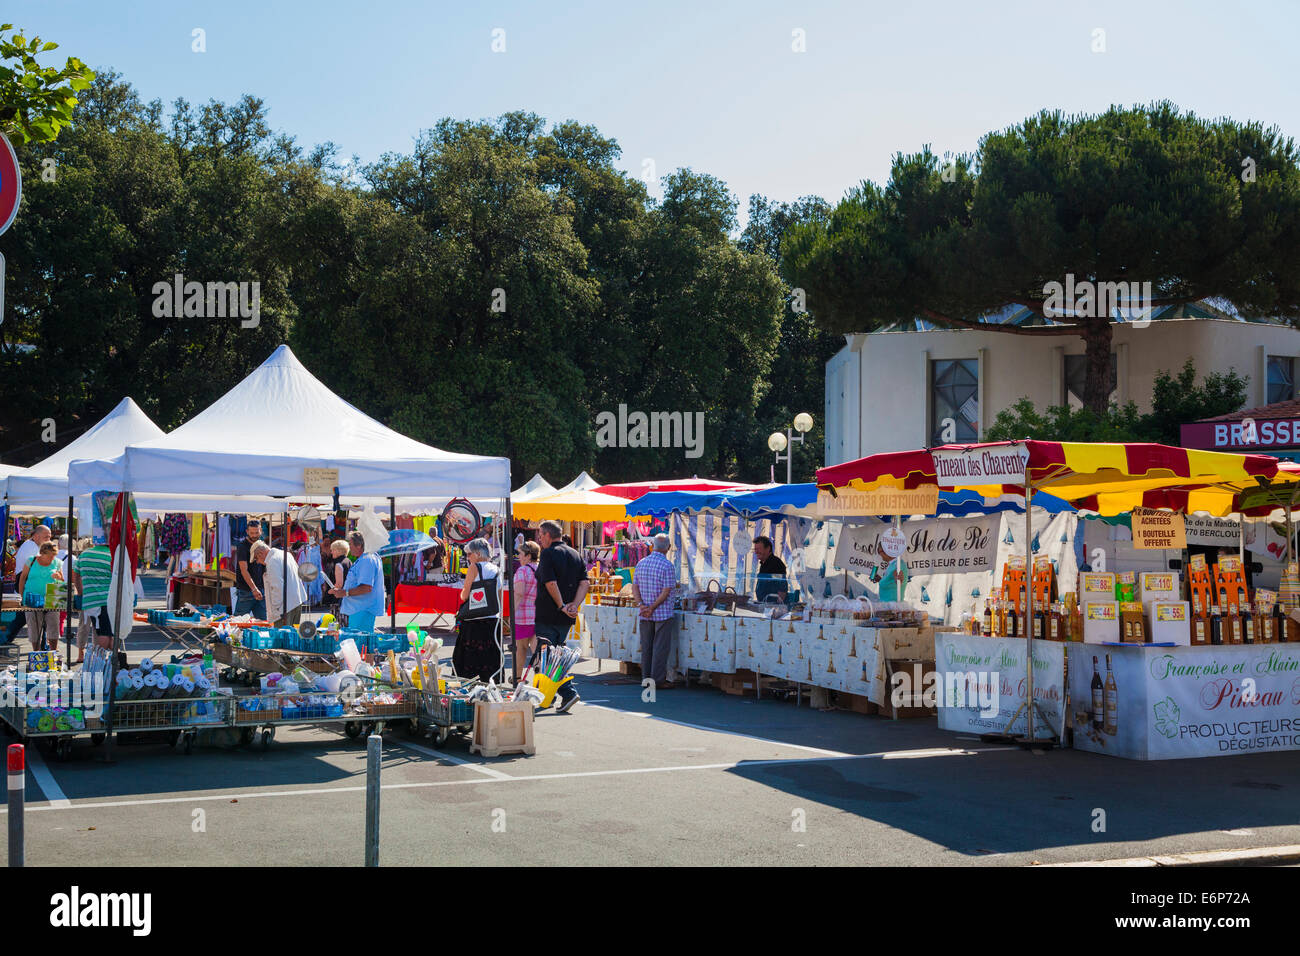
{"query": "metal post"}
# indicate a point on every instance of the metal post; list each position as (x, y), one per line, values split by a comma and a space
(1029, 607)
(17, 794)
(374, 748)
(67, 577)
(508, 575)
(392, 564)
(284, 565)
(789, 455)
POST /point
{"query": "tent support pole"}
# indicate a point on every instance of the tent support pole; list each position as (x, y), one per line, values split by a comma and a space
(508, 577)
(1029, 607)
(284, 594)
(392, 574)
(67, 577)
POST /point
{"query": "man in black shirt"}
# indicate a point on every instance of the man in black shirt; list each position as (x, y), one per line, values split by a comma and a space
(561, 589)
(248, 575)
(771, 571)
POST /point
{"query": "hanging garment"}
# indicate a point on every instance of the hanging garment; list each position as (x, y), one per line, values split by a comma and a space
(196, 532)
(174, 537)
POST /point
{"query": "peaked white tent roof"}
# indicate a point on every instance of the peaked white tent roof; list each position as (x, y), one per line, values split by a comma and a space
(584, 482)
(45, 484)
(535, 487)
(257, 439)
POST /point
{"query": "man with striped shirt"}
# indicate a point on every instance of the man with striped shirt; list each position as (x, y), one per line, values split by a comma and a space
(91, 576)
(652, 584)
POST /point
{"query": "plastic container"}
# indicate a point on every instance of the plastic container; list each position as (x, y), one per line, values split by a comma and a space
(548, 687)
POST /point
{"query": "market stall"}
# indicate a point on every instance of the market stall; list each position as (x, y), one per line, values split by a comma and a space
(309, 447)
(1104, 478)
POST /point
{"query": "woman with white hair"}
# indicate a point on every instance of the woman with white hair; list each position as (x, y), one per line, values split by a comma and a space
(477, 653)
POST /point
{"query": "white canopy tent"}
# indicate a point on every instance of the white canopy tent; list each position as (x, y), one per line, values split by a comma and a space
(535, 487)
(584, 482)
(43, 487)
(256, 440)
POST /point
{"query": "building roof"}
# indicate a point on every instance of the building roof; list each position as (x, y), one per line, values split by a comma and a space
(1019, 315)
(1287, 409)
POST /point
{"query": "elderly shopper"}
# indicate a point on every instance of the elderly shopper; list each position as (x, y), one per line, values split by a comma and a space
(477, 653)
(284, 592)
(26, 552)
(653, 583)
(363, 587)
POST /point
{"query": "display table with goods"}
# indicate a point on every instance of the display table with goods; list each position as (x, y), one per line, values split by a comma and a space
(838, 645)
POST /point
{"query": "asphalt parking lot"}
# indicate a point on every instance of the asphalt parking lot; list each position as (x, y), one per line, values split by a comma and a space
(697, 777)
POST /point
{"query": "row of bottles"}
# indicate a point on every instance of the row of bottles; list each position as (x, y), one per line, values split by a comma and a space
(1001, 619)
(1239, 625)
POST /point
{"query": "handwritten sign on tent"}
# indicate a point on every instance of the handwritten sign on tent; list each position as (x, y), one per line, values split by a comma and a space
(320, 481)
(1154, 529)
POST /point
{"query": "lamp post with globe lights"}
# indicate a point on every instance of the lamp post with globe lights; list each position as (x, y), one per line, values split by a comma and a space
(779, 442)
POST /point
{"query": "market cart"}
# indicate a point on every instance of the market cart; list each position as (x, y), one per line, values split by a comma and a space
(440, 715)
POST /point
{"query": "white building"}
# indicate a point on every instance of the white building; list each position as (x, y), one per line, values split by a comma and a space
(892, 390)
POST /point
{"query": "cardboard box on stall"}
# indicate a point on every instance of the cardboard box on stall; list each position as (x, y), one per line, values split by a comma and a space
(737, 685)
(1171, 622)
(916, 671)
(1101, 622)
(907, 643)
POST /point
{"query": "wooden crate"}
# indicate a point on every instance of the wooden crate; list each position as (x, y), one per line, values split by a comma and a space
(628, 669)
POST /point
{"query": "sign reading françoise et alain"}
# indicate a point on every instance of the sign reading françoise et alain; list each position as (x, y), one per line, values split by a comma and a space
(989, 465)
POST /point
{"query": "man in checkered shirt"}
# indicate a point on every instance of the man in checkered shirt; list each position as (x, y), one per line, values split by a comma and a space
(653, 584)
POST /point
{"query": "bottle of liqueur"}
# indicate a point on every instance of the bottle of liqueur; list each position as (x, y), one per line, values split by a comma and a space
(1054, 622)
(1247, 625)
(1040, 624)
(1279, 624)
(988, 618)
(1231, 624)
(1012, 621)
(1110, 703)
(1200, 628)
(1216, 625)
(1264, 629)
(1098, 706)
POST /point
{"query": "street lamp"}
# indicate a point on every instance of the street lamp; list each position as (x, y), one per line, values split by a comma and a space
(779, 442)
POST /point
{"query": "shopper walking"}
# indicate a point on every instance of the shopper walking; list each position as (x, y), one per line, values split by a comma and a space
(653, 582)
(561, 589)
(91, 576)
(363, 588)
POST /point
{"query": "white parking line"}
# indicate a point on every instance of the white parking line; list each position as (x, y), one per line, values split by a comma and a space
(505, 778)
(45, 780)
(456, 761)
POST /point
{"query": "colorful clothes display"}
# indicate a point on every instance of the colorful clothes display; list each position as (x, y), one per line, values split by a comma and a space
(175, 535)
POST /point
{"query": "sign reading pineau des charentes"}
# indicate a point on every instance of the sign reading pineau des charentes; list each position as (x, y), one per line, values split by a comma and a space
(999, 465)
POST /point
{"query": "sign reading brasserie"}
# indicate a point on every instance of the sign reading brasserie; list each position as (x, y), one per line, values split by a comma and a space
(879, 501)
(1158, 529)
(947, 546)
(1000, 465)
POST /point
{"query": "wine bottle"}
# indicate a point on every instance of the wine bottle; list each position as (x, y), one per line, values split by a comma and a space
(1098, 707)
(988, 618)
(1247, 625)
(1110, 723)
(1216, 625)
(1012, 621)
(1279, 624)
(1054, 629)
(1199, 628)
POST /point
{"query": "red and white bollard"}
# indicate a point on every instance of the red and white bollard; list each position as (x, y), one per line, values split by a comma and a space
(17, 793)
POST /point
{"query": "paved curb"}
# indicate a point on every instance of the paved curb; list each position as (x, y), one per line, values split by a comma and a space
(1259, 856)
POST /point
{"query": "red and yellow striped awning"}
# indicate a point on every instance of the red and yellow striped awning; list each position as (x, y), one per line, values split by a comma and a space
(1109, 478)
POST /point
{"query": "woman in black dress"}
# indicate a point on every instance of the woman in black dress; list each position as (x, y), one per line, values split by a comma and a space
(477, 653)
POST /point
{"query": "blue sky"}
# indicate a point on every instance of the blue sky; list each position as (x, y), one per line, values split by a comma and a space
(711, 85)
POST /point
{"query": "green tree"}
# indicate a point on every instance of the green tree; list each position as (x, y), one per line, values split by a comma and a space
(1176, 400)
(36, 101)
(1200, 209)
